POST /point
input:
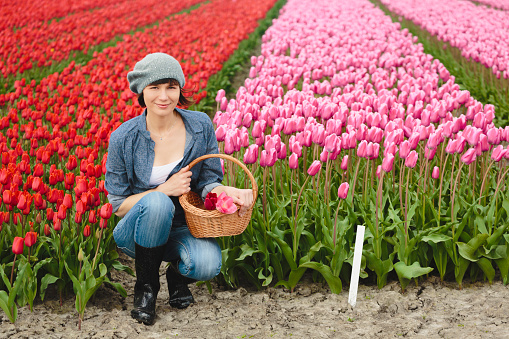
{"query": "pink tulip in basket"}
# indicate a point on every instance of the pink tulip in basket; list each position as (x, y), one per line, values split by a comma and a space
(203, 223)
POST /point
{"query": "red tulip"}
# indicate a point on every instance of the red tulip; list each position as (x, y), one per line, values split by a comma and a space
(7, 197)
(62, 212)
(47, 230)
(78, 217)
(18, 245)
(103, 223)
(210, 201)
(86, 231)
(72, 163)
(92, 218)
(49, 214)
(67, 202)
(106, 211)
(57, 224)
(343, 190)
(30, 239)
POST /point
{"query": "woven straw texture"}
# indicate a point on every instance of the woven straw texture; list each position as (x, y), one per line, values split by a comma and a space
(204, 223)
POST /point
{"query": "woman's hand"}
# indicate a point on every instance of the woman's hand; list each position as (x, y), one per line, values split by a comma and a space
(242, 197)
(178, 184)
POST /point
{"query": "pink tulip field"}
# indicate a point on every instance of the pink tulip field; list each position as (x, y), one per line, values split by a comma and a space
(343, 118)
(482, 38)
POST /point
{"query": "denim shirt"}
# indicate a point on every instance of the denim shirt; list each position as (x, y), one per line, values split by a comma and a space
(131, 158)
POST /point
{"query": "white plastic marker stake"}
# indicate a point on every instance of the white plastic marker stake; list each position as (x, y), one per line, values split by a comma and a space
(356, 269)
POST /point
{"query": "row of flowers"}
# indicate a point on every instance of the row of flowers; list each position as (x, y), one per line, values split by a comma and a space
(482, 37)
(26, 47)
(54, 139)
(500, 4)
(342, 96)
(16, 14)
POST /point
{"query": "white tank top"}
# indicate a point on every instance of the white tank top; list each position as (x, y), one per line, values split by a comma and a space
(160, 173)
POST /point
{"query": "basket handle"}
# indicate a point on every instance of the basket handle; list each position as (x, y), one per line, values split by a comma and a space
(228, 157)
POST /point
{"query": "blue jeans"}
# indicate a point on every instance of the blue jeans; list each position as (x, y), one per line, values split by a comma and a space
(149, 224)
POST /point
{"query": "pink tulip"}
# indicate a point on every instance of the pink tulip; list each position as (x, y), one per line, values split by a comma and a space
(436, 172)
(293, 161)
(331, 142)
(493, 136)
(220, 133)
(498, 153)
(229, 147)
(388, 162)
(469, 156)
(251, 154)
(362, 149)
(411, 160)
(343, 190)
(451, 146)
(220, 95)
(344, 163)
(314, 168)
(429, 153)
(404, 149)
(225, 204)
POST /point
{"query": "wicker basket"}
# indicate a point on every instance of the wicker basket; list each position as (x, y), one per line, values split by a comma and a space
(204, 223)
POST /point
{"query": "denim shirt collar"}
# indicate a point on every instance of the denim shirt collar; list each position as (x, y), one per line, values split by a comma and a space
(192, 126)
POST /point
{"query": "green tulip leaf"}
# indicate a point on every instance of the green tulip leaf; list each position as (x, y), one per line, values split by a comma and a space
(406, 273)
(487, 268)
(333, 281)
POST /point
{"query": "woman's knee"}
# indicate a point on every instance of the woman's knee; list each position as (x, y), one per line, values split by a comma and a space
(205, 263)
(157, 206)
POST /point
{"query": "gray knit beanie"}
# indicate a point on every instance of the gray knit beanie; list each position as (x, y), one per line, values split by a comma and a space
(153, 67)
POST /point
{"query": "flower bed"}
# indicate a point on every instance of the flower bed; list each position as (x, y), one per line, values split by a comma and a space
(340, 95)
(16, 14)
(53, 141)
(482, 38)
(26, 47)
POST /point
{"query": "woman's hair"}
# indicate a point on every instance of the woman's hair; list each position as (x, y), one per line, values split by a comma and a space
(184, 99)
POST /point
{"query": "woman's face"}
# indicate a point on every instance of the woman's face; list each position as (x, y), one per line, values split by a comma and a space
(161, 99)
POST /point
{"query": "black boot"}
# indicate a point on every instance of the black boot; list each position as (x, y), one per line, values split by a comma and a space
(147, 286)
(180, 295)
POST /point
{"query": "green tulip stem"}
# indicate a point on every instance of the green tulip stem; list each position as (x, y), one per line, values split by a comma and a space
(453, 194)
(97, 250)
(355, 177)
(295, 219)
(401, 176)
(378, 199)
(12, 271)
(406, 208)
(335, 228)
(442, 169)
(366, 170)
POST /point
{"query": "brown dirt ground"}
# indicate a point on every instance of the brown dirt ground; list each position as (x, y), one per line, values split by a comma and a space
(430, 310)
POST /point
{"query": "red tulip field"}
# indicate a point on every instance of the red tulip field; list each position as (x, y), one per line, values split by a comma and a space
(389, 114)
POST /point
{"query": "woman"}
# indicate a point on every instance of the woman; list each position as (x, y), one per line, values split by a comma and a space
(146, 173)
